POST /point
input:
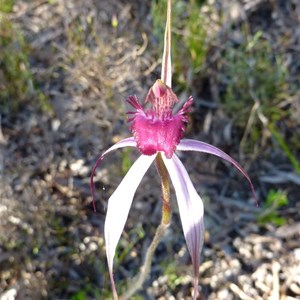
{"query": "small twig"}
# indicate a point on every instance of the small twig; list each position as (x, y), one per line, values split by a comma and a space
(135, 52)
(239, 292)
(249, 123)
(2, 138)
(276, 286)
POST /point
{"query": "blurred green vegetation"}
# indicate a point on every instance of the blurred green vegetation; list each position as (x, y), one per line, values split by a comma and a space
(275, 200)
(127, 245)
(6, 6)
(17, 84)
(253, 73)
(172, 272)
(127, 160)
(188, 36)
(89, 291)
(285, 147)
(256, 82)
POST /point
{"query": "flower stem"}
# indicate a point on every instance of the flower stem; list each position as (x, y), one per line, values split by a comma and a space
(165, 187)
(138, 282)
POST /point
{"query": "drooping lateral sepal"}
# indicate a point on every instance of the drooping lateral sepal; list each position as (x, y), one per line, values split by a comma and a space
(191, 212)
(118, 208)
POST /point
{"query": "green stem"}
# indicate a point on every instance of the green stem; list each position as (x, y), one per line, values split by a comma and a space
(165, 187)
(285, 148)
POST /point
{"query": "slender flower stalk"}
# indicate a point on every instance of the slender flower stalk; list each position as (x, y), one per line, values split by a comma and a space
(166, 70)
(165, 187)
(137, 283)
(158, 134)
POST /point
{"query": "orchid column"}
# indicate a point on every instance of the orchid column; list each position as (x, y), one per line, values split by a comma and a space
(158, 134)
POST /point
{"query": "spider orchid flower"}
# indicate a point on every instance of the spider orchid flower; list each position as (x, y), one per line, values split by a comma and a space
(158, 132)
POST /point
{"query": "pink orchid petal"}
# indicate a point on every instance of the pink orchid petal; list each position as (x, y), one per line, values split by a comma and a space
(118, 208)
(129, 142)
(191, 212)
(193, 145)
